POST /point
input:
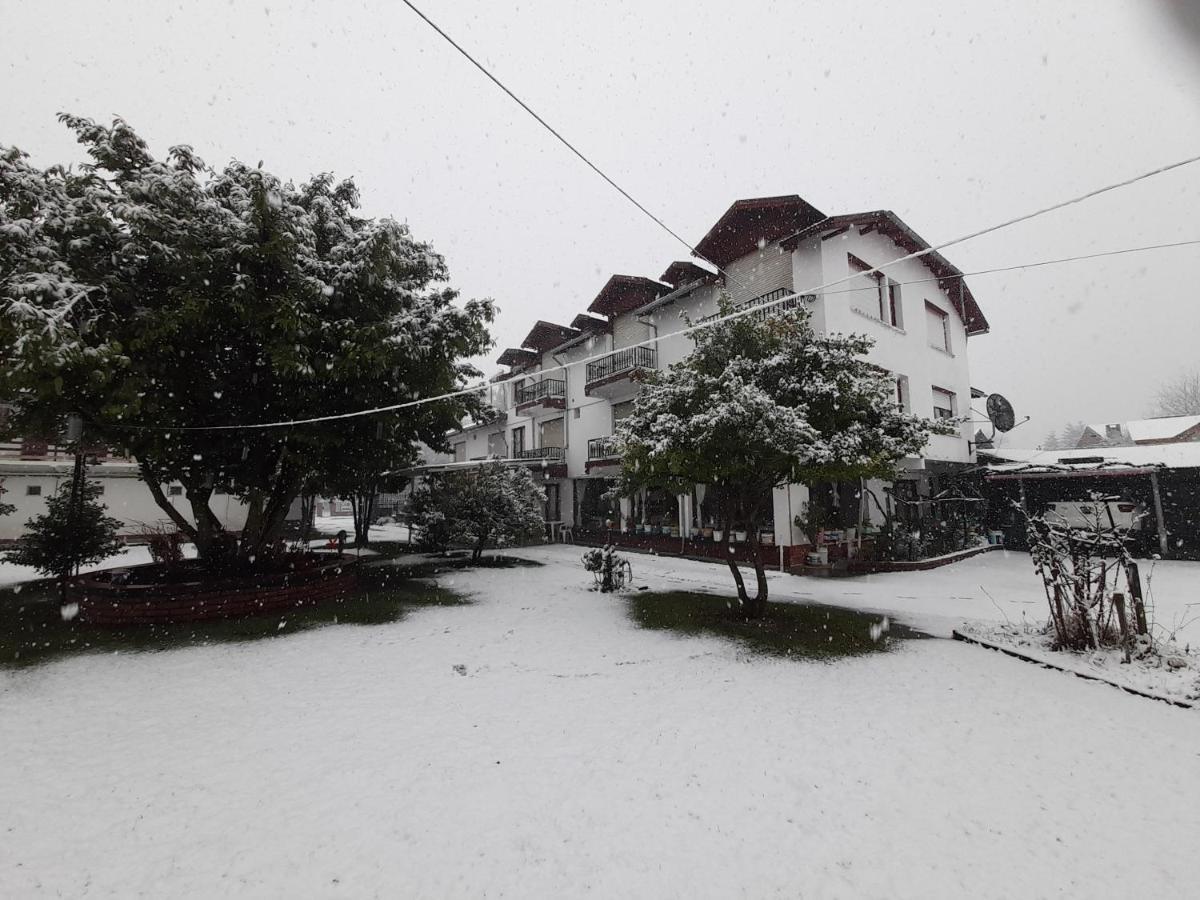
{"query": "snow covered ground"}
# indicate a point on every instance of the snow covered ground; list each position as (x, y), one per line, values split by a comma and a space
(582, 755)
(331, 525)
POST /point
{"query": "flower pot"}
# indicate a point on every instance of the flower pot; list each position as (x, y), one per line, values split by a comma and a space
(718, 535)
(739, 537)
(707, 532)
(767, 537)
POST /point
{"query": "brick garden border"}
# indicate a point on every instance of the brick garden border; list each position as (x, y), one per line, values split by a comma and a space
(103, 603)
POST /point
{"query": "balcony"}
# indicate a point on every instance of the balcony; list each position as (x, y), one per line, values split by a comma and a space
(552, 461)
(601, 452)
(612, 374)
(762, 300)
(549, 393)
(539, 453)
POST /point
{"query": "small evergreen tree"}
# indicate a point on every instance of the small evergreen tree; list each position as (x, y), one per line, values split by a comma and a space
(488, 504)
(5, 508)
(61, 540)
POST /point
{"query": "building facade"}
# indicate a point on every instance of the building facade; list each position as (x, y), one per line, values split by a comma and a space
(564, 390)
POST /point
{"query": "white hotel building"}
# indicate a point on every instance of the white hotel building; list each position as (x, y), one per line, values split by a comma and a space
(920, 313)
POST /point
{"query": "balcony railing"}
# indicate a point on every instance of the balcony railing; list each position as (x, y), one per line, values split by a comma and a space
(770, 297)
(541, 453)
(601, 448)
(622, 361)
(546, 389)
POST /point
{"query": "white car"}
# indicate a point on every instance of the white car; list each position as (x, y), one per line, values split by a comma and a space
(1102, 514)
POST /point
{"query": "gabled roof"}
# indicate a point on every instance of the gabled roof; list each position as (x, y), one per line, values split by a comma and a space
(680, 273)
(1163, 428)
(886, 222)
(748, 223)
(625, 292)
(517, 357)
(584, 322)
(545, 335)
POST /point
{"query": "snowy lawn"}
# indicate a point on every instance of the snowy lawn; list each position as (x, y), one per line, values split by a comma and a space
(539, 743)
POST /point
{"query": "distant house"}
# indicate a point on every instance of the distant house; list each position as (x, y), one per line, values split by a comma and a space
(1163, 430)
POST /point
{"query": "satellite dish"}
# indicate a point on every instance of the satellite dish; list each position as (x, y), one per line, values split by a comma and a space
(1000, 412)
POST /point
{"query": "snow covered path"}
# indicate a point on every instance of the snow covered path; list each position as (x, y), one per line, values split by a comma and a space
(582, 755)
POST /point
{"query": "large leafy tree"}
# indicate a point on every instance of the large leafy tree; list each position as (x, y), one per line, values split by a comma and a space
(158, 297)
(764, 401)
(488, 504)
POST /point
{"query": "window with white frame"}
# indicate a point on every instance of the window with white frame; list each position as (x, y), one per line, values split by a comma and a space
(33, 490)
(880, 295)
(944, 406)
(937, 325)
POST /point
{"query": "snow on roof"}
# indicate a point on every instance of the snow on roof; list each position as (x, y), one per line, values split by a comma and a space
(1175, 456)
(1161, 429)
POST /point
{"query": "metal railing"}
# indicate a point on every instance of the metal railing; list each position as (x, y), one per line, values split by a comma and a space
(622, 361)
(541, 453)
(601, 448)
(762, 300)
(546, 389)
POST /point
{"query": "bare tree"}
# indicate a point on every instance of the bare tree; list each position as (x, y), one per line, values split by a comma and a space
(1180, 396)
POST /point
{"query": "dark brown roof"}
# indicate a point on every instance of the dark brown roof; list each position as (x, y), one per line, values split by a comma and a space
(887, 223)
(749, 222)
(625, 292)
(516, 357)
(545, 335)
(584, 322)
(679, 273)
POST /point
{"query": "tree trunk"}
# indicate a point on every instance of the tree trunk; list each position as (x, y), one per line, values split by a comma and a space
(152, 481)
(362, 503)
(308, 508)
(757, 608)
(480, 543)
(726, 539)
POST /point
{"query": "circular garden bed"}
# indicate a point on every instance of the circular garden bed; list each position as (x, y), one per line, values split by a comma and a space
(159, 594)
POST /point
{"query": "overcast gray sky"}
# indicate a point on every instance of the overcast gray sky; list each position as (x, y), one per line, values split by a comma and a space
(955, 118)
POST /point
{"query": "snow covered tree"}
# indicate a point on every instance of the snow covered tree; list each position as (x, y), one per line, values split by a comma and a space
(761, 402)
(1180, 396)
(158, 296)
(63, 538)
(492, 503)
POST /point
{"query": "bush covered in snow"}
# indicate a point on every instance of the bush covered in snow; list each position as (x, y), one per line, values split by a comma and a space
(491, 504)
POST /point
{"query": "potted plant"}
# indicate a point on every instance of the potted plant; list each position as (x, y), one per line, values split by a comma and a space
(718, 535)
(739, 537)
(707, 531)
(767, 536)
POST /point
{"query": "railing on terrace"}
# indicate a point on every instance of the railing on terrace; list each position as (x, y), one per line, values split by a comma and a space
(33, 449)
(541, 453)
(547, 388)
(622, 361)
(763, 299)
(601, 448)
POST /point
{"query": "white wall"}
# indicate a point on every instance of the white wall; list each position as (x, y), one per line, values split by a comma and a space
(903, 351)
(125, 495)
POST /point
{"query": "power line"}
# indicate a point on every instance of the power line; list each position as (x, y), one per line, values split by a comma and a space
(484, 386)
(550, 128)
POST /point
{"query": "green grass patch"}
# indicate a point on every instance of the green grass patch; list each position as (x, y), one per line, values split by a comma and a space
(33, 631)
(807, 631)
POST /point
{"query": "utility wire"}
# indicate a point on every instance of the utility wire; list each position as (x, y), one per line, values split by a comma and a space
(486, 385)
(550, 128)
